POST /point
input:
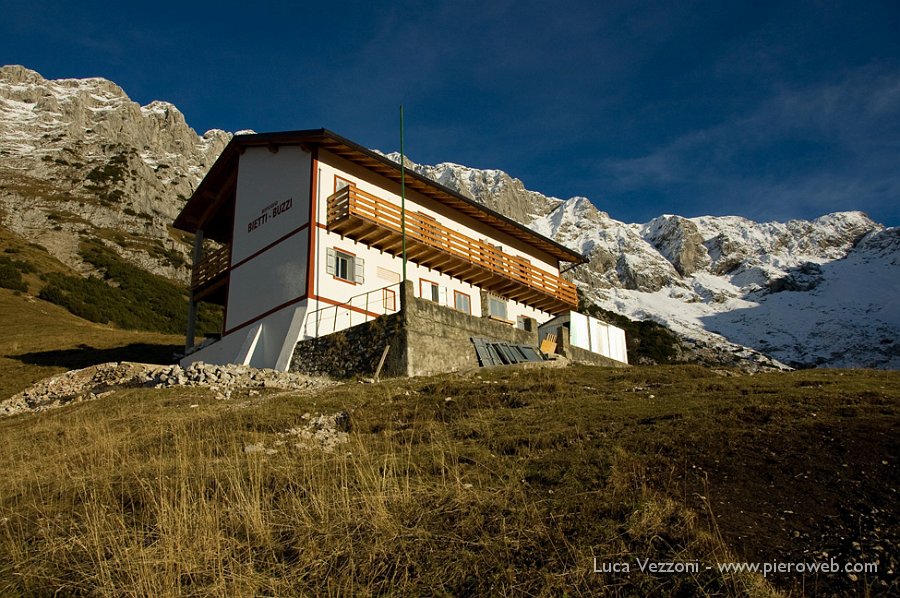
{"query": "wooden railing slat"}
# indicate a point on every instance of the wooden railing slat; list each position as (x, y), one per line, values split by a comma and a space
(354, 201)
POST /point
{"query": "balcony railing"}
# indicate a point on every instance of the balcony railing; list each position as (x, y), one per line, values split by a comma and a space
(376, 222)
(209, 271)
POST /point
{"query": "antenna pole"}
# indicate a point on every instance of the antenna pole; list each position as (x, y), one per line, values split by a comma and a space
(402, 194)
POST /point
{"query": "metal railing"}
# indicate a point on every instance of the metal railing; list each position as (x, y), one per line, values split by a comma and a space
(356, 310)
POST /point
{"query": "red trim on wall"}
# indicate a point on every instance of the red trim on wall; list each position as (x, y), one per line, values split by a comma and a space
(358, 310)
(344, 280)
(313, 197)
(344, 251)
(269, 246)
(393, 296)
(265, 314)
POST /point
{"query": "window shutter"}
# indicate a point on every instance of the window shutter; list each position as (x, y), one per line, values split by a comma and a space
(330, 259)
(358, 270)
(442, 295)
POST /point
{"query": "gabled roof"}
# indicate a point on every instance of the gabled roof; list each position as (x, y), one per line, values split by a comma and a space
(209, 207)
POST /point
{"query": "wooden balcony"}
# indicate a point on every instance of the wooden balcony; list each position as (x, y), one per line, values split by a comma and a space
(210, 275)
(376, 222)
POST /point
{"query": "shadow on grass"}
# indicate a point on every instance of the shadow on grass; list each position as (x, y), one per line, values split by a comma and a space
(85, 355)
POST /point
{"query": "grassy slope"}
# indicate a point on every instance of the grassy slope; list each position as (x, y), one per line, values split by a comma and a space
(511, 486)
(40, 339)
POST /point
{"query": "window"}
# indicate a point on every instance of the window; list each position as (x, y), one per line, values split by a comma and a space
(390, 300)
(432, 291)
(340, 183)
(344, 266)
(497, 307)
(461, 302)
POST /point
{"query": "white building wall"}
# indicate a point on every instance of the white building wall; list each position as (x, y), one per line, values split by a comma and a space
(266, 181)
(271, 207)
(269, 253)
(382, 269)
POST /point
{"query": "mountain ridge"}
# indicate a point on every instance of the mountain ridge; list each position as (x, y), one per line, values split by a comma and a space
(91, 164)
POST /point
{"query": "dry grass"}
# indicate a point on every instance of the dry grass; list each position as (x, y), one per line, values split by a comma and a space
(511, 487)
(510, 482)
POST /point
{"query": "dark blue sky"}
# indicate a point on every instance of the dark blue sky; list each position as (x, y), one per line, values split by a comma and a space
(770, 110)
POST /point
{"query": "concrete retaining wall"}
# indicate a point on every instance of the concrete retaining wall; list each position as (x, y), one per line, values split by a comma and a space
(425, 338)
(440, 337)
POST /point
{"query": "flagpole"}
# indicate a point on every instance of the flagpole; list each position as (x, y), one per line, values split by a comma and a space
(402, 195)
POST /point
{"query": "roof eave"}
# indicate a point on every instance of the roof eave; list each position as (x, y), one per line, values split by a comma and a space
(188, 219)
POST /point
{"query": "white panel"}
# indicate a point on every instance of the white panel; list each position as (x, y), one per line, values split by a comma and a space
(272, 198)
(597, 341)
(387, 275)
(246, 354)
(268, 280)
(619, 350)
(578, 331)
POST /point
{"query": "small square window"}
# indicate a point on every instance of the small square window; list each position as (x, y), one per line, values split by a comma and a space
(462, 302)
(497, 307)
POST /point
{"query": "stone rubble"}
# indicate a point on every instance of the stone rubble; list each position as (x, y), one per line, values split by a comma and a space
(319, 432)
(101, 380)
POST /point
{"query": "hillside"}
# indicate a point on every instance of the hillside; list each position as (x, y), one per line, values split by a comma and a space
(81, 163)
(502, 482)
(41, 339)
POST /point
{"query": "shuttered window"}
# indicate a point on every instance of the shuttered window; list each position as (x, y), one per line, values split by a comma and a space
(345, 266)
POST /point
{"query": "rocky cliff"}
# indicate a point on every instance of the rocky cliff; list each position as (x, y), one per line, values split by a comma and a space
(80, 160)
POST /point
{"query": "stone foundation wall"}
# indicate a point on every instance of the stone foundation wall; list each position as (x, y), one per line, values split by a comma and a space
(355, 351)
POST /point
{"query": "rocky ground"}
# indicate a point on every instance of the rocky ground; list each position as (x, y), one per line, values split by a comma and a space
(817, 493)
(101, 380)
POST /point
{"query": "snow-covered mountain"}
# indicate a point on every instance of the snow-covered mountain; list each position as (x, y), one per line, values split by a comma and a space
(824, 292)
(79, 160)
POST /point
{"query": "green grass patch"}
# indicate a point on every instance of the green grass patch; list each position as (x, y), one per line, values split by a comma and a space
(11, 273)
(126, 296)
